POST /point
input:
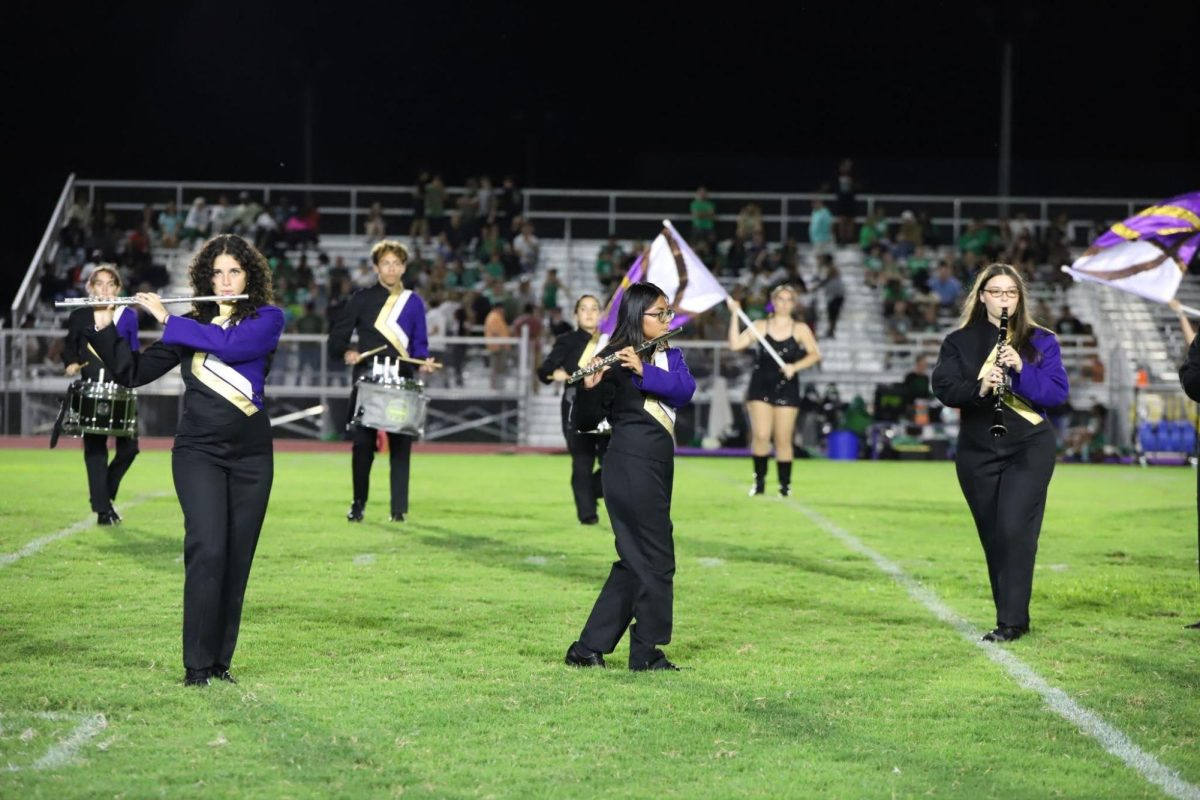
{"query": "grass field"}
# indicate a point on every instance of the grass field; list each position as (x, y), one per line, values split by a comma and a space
(425, 659)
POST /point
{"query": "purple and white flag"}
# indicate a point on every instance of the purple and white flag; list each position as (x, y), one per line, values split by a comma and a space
(1146, 254)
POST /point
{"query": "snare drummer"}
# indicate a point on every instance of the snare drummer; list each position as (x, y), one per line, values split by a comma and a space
(104, 478)
(389, 320)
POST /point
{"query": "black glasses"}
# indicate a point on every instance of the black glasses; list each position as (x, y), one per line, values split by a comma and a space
(666, 315)
(998, 293)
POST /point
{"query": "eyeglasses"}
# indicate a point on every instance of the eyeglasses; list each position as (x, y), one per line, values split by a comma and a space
(666, 315)
(996, 294)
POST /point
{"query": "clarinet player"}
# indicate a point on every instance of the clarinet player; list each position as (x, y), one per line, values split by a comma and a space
(1006, 447)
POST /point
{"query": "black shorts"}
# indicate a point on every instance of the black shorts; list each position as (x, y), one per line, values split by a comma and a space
(774, 389)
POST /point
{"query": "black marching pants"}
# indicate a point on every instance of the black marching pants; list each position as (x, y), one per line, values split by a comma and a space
(224, 503)
(1006, 492)
(104, 478)
(587, 450)
(637, 494)
(399, 454)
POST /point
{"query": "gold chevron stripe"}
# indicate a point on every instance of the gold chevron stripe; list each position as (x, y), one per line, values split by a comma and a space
(589, 351)
(383, 322)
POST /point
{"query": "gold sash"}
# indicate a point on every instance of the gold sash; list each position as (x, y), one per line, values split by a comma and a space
(388, 321)
(219, 376)
(657, 408)
(589, 352)
(1013, 401)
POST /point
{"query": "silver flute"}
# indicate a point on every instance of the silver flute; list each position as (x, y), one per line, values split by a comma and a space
(613, 358)
(82, 302)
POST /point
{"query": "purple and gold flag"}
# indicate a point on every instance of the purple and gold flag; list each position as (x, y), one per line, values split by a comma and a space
(1148, 253)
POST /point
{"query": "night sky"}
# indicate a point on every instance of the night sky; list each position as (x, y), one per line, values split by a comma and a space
(589, 95)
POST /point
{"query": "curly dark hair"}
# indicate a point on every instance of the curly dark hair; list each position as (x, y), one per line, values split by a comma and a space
(258, 276)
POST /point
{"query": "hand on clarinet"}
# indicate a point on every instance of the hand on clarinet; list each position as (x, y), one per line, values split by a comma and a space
(990, 381)
(590, 381)
(1008, 357)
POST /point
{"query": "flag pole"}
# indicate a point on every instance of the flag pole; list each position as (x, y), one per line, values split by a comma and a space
(761, 339)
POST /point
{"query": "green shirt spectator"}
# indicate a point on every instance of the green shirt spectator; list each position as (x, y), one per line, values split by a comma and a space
(704, 214)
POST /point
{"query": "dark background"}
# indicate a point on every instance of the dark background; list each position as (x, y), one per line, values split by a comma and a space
(740, 97)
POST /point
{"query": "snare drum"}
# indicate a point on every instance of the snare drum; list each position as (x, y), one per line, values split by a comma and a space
(101, 408)
(394, 406)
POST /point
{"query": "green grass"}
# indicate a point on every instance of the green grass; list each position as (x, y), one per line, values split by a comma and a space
(424, 660)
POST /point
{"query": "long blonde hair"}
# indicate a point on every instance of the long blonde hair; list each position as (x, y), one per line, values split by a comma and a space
(1021, 324)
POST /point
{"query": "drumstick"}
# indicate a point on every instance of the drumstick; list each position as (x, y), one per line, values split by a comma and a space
(382, 347)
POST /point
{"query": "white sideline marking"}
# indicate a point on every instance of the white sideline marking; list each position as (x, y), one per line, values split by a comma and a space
(1090, 724)
(88, 522)
(537, 561)
(711, 562)
(63, 753)
(364, 559)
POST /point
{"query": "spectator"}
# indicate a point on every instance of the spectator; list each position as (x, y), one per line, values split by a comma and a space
(169, 225)
(908, 237)
(820, 228)
(918, 268)
(221, 216)
(420, 221)
(550, 289)
(916, 382)
(310, 322)
(196, 226)
(1067, 324)
(528, 248)
(375, 228)
(509, 206)
(468, 210)
(52, 286)
(869, 234)
(245, 214)
(435, 205)
(486, 199)
(525, 294)
(557, 325)
(495, 326)
(749, 221)
(977, 239)
(844, 204)
(531, 323)
(266, 231)
(835, 293)
(704, 217)
(947, 287)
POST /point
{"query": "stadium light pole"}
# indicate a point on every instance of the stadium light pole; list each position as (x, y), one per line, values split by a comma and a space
(1004, 179)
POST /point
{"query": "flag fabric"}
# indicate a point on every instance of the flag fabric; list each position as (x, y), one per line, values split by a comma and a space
(676, 269)
(1148, 253)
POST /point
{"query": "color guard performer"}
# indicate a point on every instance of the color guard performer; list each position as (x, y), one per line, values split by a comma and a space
(640, 399)
(1006, 449)
(222, 461)
(104, 478)
(1189, 377)
(573, 351)
(773, 398)
(389, 320)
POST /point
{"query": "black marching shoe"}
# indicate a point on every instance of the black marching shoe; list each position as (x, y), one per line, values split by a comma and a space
(785, 490)
(108, 517)
(592, 520)
(196, 677)
(355, 514)
(578, 656)
(1194, 626)
(757, 488)
(221, 673)
(397, 518)
(658, 661)
(1006, 633)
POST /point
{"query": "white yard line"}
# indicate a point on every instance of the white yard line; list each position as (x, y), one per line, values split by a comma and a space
(64, 753)
(35, 546)
(1111, 738)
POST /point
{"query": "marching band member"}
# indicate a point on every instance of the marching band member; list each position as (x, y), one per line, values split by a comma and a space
(1003, 478)
(104, 478)
(222, 461)
(572, 351)
(640, 400)
(389, 320)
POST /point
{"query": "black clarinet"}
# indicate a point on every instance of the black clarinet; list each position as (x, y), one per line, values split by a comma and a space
(998, 428)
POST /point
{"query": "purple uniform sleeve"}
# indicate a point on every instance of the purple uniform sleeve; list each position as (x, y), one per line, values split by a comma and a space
(1045, 383)
(251, 338)
(127, 326)
(674, 384)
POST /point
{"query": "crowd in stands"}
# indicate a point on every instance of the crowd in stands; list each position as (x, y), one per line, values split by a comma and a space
(477, 261)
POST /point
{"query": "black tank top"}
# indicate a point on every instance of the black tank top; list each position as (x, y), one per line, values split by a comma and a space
(789, 350)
